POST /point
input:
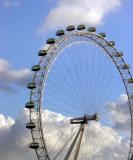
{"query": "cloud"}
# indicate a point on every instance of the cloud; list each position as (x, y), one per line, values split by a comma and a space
(99, 139)
(10, 76)
(5, 123)
(90, 12)
(120, 113)
(14, 138)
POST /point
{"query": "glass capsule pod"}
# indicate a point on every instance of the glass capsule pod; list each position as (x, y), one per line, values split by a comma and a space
(125, 66)
(112, 43)
(102, 35)
(130, 80)
(34, 145)
(60, 33)
(31, 85)
(29, 105)
(50, 41)
(92, 29)
(81, 27)
(30, 125)
(42, 53)
(36, 68)
(70, 28)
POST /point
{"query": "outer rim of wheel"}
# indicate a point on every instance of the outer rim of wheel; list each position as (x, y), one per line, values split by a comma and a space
(35, 114)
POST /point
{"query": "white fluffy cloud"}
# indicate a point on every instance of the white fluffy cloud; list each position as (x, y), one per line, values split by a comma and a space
(98, 138)
(101, 139)
(5, 123)
(9, 76)
(120, 113)
(90, 12)
(14, 138)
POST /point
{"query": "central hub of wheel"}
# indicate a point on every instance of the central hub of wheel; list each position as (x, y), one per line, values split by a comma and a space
(84, 119)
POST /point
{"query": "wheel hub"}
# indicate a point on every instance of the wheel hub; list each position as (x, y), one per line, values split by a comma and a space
(84, 119)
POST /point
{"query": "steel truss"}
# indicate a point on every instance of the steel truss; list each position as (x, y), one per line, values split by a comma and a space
(40, 78)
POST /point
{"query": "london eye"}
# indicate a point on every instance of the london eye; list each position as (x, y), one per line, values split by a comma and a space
(74, 112)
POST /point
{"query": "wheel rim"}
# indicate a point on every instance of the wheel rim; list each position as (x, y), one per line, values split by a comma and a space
(40, 78)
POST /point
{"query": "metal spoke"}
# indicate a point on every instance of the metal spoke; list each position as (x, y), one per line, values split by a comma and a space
(79, 102)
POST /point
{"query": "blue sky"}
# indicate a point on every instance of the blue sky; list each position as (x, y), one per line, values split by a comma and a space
(24, 28)
(23, 31)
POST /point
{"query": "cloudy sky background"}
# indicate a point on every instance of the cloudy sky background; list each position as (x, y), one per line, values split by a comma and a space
(15, 138)
(24, 27)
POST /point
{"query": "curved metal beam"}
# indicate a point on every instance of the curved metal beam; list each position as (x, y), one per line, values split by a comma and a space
(35, 115)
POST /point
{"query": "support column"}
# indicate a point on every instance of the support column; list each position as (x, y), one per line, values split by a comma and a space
(73, 143)
(79, 144)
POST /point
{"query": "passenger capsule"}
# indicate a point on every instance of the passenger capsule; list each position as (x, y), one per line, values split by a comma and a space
(50, 41)
(102, 35)
(31, 85)
(30, 125)
(125, 66)
(81, 27)
(70, 28)
(42, 53)
(120, 54)
(29, 105)
(130, 80)
(131, 96)
(34, 145)
(60, 33)
(112, 43)
(36, 68)
(92, 29)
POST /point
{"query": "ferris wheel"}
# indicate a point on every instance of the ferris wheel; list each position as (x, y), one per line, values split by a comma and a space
(73, 114)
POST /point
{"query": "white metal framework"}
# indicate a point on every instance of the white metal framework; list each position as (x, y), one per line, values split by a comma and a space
(37, 85)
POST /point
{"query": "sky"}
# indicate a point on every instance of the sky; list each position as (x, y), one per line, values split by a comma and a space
(24, 31)
(24, 28)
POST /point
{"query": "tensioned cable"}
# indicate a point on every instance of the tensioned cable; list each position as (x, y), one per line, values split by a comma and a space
(99, 92)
